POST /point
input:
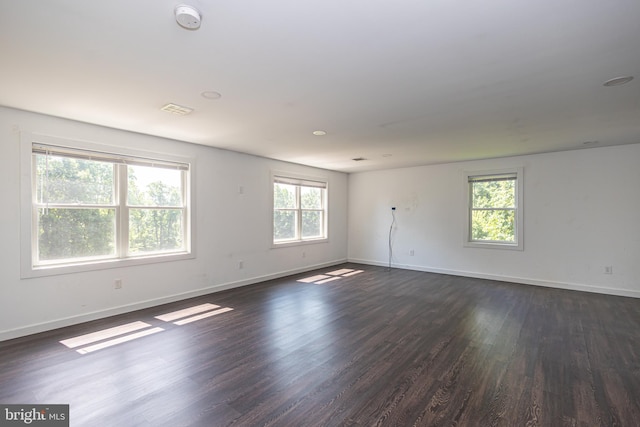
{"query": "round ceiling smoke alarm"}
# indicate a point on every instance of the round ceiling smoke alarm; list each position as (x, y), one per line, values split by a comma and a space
(188, 17)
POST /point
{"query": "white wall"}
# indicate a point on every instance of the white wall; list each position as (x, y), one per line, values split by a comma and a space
(581, 213)
(230, 227)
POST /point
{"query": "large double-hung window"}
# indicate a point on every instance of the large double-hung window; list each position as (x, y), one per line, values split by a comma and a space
(93, 208)
(494, 209)
(299, 210)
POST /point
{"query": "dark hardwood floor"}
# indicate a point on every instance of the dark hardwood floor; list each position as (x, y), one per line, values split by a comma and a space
(387, 348)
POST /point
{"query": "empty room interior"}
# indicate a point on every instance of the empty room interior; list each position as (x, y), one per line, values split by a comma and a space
(320, 213)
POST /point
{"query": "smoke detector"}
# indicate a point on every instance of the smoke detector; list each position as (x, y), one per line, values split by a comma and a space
(188, 17)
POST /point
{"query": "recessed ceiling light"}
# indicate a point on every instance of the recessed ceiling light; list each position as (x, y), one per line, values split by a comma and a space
(319, 132)
(210, 94)
(358, 159)
(618, 81)
(177, 109)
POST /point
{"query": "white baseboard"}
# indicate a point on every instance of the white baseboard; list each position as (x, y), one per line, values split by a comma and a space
(100, 314)
(511, 279)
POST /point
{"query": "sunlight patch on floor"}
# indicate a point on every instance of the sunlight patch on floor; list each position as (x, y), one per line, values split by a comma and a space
(320, 279)
(104, 334)
(130, 331)
(202, 316)
(169, 317)
(313, 278)
(353, 273)
(119, 340)
(187, 315)
(330, 279)
(340, 272)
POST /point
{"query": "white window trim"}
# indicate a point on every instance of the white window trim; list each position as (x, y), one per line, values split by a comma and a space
(519, 243)
(300, 242)
(27, 269)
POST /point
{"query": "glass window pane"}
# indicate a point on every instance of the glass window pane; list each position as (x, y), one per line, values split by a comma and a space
(155, 230)
(150, 186)
(65, 180)
(493, 225)
(284, 225)
(75, 233)
(284, 196)
(494, 194)
(311, 224)
(311, 198)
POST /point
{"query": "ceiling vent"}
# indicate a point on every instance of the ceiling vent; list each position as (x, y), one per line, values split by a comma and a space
(177, 109)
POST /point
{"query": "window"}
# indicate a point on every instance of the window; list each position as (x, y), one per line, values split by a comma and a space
(494, 214)
(299, 210)
(92, 207)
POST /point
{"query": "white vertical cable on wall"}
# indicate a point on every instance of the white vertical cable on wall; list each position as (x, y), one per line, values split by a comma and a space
(393, 222)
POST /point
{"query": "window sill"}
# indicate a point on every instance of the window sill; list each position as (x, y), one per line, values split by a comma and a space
(53, 270)
(495, 245)
(299, 243)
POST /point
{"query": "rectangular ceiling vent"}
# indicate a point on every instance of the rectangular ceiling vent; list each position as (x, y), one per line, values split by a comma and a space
(177, 109)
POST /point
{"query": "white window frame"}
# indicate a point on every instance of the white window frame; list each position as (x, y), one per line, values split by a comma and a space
(519, 211)
(300, 181)
(28, 257)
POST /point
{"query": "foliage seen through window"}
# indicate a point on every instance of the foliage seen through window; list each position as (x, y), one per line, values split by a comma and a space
(299, 211)
(82, 213)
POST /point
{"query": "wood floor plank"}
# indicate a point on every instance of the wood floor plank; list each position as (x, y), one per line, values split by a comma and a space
(378, 348)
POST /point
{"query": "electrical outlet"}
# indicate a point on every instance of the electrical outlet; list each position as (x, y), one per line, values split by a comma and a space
(240, 265)
(412, 252)
(304, 254)
(608, 269)
(117, 284)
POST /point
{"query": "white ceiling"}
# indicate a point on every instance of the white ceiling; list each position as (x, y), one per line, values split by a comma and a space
(425, 82)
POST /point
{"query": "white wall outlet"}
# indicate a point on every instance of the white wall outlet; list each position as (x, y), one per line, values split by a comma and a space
(412, 252)
(608, 269)
(240, 265)
(304, 254)
(117, 284)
